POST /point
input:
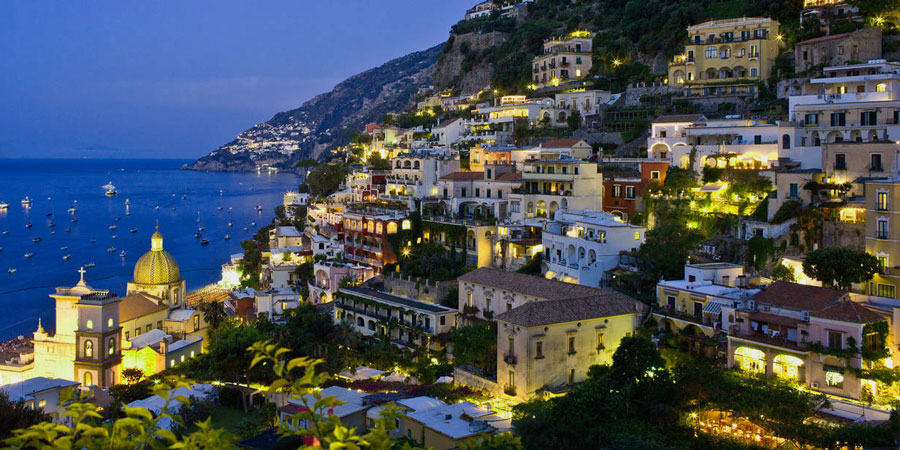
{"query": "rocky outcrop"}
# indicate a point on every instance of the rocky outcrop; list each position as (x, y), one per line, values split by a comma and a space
(454, 72)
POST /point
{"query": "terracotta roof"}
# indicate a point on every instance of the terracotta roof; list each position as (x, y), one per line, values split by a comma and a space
(673, 118)
(561, 143)
(848, 311)
(609, 303)
(774, 319)
(530, 285)
(463, 176)
(509, 176)
(139, 305)
(798, 296)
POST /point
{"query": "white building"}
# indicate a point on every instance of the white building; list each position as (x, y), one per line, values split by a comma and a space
(554, 183)
(415, 175)
(852, 103)
(402, 320)
(293, 200)
(449, 131)
(41, 393)
(731, 142)
(580, 246)
(289, 236)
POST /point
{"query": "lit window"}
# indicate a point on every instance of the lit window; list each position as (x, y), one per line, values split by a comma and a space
(111, 346)
(637, 235)
(192, 353)
(88, 349)
(42, 403)
(182, 358)
(90, 325)
(833, 378)
(172, 363)
(109, 322)
(880, 87)
(599, 340)
(577, 72)
(882, 201)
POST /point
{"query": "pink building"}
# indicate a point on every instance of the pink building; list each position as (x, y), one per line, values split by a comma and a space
(822, 338)
(329, 276)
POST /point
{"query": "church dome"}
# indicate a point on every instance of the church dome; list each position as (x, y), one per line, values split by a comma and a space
(156, 266)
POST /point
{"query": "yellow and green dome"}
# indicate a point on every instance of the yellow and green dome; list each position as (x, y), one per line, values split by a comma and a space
(156, 266)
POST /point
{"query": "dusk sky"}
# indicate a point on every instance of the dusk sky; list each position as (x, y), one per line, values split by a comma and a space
(177, 79)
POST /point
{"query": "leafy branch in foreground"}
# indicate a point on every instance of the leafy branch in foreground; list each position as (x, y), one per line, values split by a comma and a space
(139, 429)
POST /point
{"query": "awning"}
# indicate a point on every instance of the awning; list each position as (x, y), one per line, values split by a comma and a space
(712, 308)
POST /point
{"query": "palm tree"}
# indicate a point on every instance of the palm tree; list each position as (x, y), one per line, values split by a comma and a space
(214, 314)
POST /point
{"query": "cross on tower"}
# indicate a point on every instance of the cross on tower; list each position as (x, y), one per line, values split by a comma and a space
(82, 272)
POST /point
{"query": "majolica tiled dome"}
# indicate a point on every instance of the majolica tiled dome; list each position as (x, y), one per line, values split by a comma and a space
(156, 266)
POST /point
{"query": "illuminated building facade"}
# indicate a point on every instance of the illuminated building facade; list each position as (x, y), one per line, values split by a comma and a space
(564, 59)
(726, 57)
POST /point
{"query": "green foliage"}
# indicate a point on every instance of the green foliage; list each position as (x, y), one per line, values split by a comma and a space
(574, 120)
(325, 179)
(213, 314)
(475, 345)
(759, 250)
(17, 415)
(678, 180)
(378, 163)
(533, 265)
(451, 300)
(787, 211)
(139, 428)
(840, 267)
(666, 248)
(782, 272)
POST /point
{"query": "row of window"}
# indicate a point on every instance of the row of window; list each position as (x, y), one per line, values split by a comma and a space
(729, 36)
(89, 348)
(725, 53)
(617, 191)
(464, 191)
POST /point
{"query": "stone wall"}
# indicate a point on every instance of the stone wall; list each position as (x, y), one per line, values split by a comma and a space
(418, 288)
(634, 91)
(467, 378)
(841, 234)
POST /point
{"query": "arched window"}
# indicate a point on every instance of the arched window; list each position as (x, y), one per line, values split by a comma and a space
(90, 324)
(416, 165)
(88, 349)
(112, 346)
(88, 379)
(109, 322)
(392, 227)
(360, 322)
(406, 224)
(786, 142)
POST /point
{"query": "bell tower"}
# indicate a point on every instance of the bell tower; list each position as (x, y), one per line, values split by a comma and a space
(98, 347)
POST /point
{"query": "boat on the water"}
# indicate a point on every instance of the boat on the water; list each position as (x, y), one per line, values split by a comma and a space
(113, 227)
(227, 237)
(67, 257)
(110, 189)
(127, 202)
(51, 224)
(157, 207)
(5, 233)
(229, 223)
(246, 228)
(133, 230)
(89, 265)
(64, 247)
(115, 236)
(204, 242)
(74, 219)
(36, 239)
(73, 209)
(118, 219)
(198, 234)
(68, 230)
(111, 249)
(26, 201)
(29, 255)
(93, 241)
(122, 254)
(28, 225)
(4, 205)
(11, 270)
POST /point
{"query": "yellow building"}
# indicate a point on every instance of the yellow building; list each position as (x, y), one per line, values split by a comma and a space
(564, 59)
(545, 347)
(726, 57)
(883, 234)
(156, 273)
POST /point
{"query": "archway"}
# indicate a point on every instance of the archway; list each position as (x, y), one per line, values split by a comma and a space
(750, 359)
(553, 207)
(541, 209)
(787, 367)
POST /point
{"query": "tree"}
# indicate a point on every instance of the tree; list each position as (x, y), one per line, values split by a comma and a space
(325, 179)
(840, 267)
(666, 248)
(213, 314)
(574, 120)
(378, 163)
(132, 375)
(475, 345)
(18, 414)
(532, 266)
(782, 272)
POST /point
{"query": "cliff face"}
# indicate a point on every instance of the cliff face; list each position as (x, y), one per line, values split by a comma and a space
(327, 120)
(460, 52)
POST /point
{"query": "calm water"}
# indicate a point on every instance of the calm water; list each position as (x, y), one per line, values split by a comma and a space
(55, 185)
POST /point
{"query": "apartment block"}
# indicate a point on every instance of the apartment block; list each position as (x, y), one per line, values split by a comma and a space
(726, 57)
(838, 49)
(564, 59)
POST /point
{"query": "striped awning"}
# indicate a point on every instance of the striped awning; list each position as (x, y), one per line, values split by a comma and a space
(712, 308)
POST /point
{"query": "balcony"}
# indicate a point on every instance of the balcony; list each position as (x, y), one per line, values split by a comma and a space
(510, 359)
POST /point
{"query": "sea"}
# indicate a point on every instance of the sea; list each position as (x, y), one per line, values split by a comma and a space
(186, 199)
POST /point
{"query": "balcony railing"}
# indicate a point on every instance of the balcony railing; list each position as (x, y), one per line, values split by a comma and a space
(510, 359)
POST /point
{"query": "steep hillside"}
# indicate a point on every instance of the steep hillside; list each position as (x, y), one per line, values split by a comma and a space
(328, 119)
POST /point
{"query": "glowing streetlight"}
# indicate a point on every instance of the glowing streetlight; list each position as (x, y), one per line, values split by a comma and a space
(779, 37)
(879, 20)
(616, 62)
(406, 252)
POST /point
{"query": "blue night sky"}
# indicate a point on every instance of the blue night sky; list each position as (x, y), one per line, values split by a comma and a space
(175, 79)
